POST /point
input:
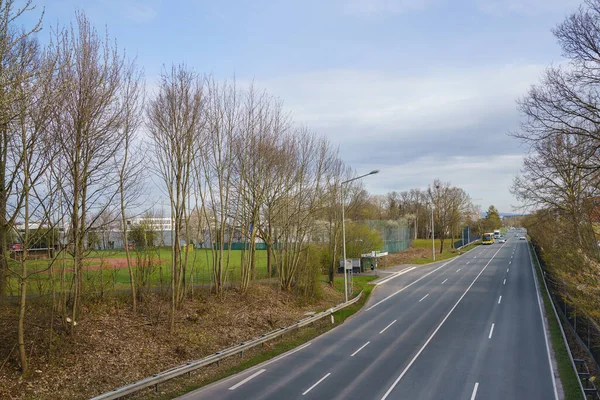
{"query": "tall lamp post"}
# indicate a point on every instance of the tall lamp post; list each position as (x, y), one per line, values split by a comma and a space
(376, 171)
(432, 234)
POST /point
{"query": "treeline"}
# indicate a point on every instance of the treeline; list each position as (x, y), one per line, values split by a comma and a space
(452, 206)
(560, 176)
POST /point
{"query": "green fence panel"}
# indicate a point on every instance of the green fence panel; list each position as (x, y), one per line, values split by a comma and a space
(396, 234)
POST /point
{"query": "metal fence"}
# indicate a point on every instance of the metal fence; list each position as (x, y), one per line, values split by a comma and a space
(465, 241)
(585, 331)
(396, 234)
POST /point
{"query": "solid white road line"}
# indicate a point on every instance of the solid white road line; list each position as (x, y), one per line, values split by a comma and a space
(491, 331)
(500, 300)
(247, 379)
(395, 275)
(361, 347)
(475, 391)
(407, 286)
(233, 377)
(504, 282)
(437, 329)
(444, 281)
(384, 329)
(538, 288)
(313, 386)
(289, 353)
(424, 297)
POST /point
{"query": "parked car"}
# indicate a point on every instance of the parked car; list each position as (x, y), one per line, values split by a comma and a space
(522, 238)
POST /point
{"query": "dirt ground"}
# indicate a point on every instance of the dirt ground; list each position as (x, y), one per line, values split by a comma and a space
(114, 347)
(405, 256)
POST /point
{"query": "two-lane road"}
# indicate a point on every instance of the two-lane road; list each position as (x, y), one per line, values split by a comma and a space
(468, 328)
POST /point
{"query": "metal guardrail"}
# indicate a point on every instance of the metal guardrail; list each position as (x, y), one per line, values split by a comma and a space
(468, 244)
(187, 368)
(558, 320)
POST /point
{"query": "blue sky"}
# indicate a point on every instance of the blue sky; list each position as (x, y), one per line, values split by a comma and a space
(420, 89)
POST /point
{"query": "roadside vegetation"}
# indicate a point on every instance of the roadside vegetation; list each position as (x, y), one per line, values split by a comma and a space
(207, 325)
(427, 257)
(568, 378)
(560, 178)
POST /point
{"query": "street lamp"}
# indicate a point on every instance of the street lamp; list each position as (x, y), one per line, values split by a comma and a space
(376, 171)
(432, 234)
(437, 186)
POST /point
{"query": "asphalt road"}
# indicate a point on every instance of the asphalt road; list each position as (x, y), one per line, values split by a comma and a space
(469, 328)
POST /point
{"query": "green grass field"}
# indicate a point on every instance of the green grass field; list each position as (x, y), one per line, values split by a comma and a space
(107, 270)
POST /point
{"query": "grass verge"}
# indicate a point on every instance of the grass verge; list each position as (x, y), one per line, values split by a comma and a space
(568, 377)
(258, 355)
(447, 254)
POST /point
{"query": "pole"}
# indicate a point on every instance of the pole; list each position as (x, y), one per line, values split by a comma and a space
(432, 235)
(344, 243)
(376, 171)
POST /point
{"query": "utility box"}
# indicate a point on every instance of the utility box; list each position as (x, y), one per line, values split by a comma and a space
(352, 264)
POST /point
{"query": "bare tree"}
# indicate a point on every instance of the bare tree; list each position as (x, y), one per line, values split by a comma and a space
(263, 126)
(295, 212)
(12, 76)
(175, 119)
(217, 174)
(131, 167)
(31, 152)
(440, 195)
(553, 178)
(88, 131)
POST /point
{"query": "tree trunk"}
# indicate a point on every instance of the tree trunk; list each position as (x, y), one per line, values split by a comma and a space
(21, 329)
(129, 264)
(3, 252)
(269, 264)
(4, 227)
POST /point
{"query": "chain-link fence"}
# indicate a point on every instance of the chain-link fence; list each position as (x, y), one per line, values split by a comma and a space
(396, 234)
(586, 332)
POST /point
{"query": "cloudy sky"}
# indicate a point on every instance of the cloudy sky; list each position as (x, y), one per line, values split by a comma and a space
(420, 89)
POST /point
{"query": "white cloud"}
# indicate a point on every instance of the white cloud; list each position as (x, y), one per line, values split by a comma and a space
(450, 124)
(139, 12)
(484, 178)
(386, 104)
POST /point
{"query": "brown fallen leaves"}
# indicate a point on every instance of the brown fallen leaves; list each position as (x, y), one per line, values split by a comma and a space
(114, 347)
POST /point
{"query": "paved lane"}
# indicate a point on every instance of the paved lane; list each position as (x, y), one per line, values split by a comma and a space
(425, 334)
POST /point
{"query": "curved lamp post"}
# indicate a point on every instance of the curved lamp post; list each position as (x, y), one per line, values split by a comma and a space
(376, 171)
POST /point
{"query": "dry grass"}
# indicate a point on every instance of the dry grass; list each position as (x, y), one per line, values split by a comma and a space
(405, 256)
(113, 347)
